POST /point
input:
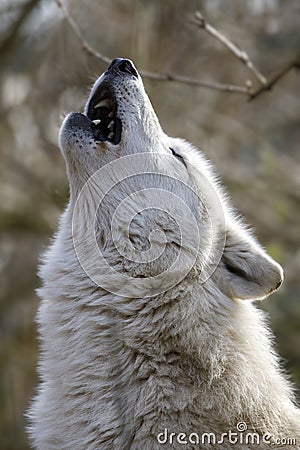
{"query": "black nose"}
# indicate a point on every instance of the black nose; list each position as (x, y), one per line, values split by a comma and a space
(123, 65)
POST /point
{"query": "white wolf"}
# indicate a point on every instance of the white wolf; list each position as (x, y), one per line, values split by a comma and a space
(149, 337)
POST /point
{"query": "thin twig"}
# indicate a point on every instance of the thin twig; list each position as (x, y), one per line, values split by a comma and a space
(75, 28)
(295, 64)
(151, 75)
(233, 48)
(194, 82)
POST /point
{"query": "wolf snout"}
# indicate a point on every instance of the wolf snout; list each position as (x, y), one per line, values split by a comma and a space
(123, 66)
(78, 120)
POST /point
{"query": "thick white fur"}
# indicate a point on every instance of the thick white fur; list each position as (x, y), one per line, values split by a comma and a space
(116, 371)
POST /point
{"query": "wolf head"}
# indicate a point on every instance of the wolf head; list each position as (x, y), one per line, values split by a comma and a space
(150, 204)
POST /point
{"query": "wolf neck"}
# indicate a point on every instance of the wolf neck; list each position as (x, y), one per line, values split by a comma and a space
(141, 132)
(166, 335)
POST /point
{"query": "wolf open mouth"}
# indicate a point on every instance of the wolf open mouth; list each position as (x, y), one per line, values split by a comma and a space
(102, 111)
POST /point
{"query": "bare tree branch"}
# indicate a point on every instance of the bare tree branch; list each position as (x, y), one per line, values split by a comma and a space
(295, 64)
(247, 90)
(265, 84)
(233, 48)
(194, 82)
(151, 75)
(75, 28)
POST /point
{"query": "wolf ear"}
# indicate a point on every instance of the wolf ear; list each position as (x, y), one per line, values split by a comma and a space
(246, 271)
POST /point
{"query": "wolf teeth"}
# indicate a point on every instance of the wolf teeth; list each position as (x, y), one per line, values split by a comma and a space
(96, 121)
(103, 103)
(110, 125)
(111, 135)
(110, 115)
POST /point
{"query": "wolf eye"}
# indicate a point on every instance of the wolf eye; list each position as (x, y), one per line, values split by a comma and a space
(181, 158)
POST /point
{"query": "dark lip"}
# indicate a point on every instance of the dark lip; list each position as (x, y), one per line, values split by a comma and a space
(106, 113)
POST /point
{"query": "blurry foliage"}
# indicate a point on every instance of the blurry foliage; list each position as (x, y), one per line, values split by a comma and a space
(44, 73)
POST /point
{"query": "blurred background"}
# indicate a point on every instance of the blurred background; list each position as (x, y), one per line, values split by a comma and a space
(45, 73)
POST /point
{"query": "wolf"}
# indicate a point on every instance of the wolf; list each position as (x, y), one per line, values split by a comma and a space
(149, 334)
